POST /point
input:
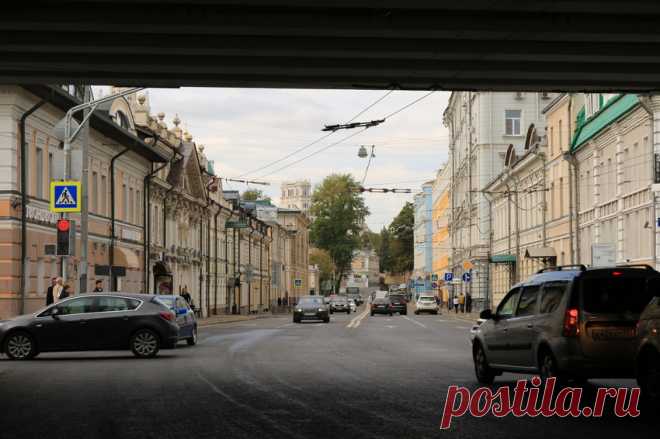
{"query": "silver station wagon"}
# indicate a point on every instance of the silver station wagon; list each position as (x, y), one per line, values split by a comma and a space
(568, 322)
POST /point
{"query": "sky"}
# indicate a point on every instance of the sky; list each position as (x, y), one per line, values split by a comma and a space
(245, 129)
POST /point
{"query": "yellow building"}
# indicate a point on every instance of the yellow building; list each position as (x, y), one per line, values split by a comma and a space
(440, 227)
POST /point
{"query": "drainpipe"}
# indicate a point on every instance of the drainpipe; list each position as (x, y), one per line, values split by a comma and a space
(201, 265)
(250, 266)
(227, 286)
(113, 278)
(208, 266)
(24, 203)
(571, 187)
(261, 270)
(215, 240)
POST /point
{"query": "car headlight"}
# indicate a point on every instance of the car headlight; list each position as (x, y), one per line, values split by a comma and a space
(321, 309)
(299, 310)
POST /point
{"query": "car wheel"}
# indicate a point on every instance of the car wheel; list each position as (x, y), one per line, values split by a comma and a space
(648, 376)
(548, 367)
(326, 320)
(391, 314)
(348, 312)
(405, 313)
(416, 313)
(20, 346)
(372, 313)
(145, 343)
(192, 341)
(485, 374)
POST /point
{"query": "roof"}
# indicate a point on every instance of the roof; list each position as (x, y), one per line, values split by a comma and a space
(615, 109)
(99, 121)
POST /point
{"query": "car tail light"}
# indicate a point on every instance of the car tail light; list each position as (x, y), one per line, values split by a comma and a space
(616, 273)
(167, 315)
(571, 328)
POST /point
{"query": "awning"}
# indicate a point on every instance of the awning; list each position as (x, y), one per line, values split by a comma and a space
(125, 257)
(540, 252)
(503, 259)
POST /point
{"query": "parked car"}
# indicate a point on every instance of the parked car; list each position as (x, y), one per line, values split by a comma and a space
(340, 304)
(648, 354)
(357, 298)
(398, 303)
(381, 306)
(311, 308)
(566, 322)
(352, 305)
(110, 321)
(426, 304)
(185, 317)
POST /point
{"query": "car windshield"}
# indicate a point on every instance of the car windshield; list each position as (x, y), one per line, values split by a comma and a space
(310, 302)
(339, 300)
(396, 298)
(615, 294)
(426, 299)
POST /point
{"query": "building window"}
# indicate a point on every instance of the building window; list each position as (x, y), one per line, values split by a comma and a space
(130, 217)
(95, 193)
(50, 166)
(561, 138)
(512, 122)
(39, 193)
(124, 193)
(102, 196)
(138, 210)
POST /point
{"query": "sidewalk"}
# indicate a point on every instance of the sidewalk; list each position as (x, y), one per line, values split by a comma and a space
(231, 318)
(469, 317)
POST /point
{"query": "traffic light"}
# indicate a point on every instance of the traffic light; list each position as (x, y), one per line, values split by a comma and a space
(66, 235)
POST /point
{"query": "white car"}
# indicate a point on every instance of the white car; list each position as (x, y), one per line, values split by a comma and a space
(351, 303)
(426, 304)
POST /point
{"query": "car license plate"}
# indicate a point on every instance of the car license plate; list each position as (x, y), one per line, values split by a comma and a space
(612, 333)
(310, 313)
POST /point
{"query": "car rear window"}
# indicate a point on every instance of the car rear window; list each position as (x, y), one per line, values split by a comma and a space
(615, 294)
(426, 299)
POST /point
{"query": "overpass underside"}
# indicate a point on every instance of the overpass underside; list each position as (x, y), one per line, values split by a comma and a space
(410, 44)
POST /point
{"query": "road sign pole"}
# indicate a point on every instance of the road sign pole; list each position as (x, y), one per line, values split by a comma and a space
(83, 197)
(67, 176)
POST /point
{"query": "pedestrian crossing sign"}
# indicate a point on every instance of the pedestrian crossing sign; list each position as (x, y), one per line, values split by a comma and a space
(65, 196)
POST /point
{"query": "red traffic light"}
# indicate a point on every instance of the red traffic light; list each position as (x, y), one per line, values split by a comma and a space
(63, 225)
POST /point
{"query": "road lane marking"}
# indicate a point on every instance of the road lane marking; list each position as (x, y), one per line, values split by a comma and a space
(415, 322)
(462, 327)
(355, 322)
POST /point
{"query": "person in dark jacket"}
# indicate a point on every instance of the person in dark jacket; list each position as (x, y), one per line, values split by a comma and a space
(50, 299)
(98, 288)
(66, 292)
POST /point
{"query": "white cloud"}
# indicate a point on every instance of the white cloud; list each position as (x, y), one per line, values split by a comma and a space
(244, 129)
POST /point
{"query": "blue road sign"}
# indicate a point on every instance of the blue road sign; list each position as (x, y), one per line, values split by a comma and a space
(467, 277)
(65, 196)
(434, 285)
(449, 277)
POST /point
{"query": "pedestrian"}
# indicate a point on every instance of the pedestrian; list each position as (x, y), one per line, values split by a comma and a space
(461, 302)
(186, 295)
(98, 288)
(66, 292)
(57, 289)
(445, 297)
(50, 299)
(279, 301)
(455, 303)
(468, 302)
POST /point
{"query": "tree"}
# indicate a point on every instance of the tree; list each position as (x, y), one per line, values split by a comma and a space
(322, 259)
(402, 240)
(254, 195)
(385, 251)
(338, 211)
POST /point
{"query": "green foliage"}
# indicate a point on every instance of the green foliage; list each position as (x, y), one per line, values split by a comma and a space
(397, 242)
(254, 195)
(322, 259)
(338, 211)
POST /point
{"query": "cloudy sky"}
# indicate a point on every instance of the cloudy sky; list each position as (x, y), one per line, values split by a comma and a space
(246, 129)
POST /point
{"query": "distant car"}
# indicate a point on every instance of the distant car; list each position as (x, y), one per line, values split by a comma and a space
(185, 317)
(381, 306)
(379, 294)
(340, 304)
(398, 303)
(426, 304)
(311, 308)
(647, 365)
(357, 298)
(352, 305)
(571, 323)
(100, 321)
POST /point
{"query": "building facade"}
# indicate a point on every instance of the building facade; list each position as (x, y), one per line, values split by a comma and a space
(295, 227)
(482, 126)
(297, 195)
(440, 224)
(365, 268)
(423, 237)
(118, 163)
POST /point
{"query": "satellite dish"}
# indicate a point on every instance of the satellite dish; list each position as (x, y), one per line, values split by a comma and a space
(58, 129)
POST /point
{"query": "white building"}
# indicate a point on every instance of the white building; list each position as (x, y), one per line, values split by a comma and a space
(297, 195)
(481, 126)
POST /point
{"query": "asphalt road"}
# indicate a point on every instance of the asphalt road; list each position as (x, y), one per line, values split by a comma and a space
(384, 377)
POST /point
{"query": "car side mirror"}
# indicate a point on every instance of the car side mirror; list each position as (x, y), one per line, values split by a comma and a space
(55, 313)
(486, 314)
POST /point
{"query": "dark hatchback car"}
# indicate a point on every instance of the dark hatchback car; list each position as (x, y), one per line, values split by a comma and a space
(398, 303)
(567, 322)
(311, 308)
(381, 306)
(109, 321)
